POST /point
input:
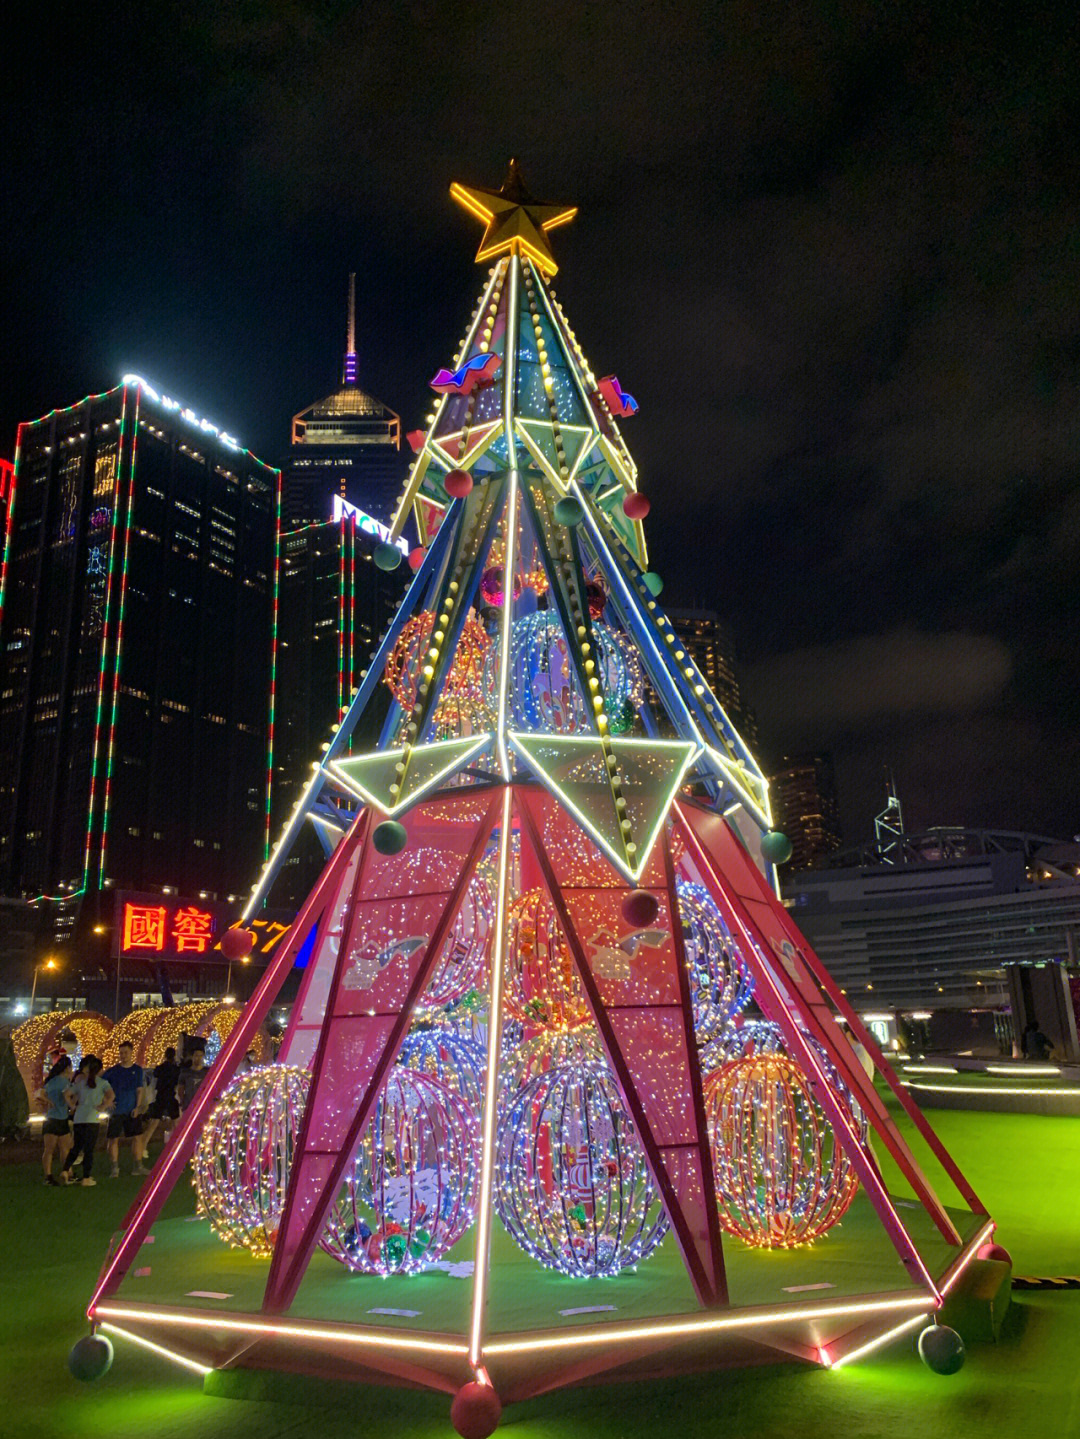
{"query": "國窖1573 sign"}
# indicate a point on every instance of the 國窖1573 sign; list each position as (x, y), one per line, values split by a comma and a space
(162, 926)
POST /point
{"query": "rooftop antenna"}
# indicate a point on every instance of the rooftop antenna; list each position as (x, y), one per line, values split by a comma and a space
(349, 374)
(889, 824)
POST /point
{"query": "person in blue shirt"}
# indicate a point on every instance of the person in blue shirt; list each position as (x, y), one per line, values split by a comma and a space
(89, 1093)
(126, 1081)
(57, 1127)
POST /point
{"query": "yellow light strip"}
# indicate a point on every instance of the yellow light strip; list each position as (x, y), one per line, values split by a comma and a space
(474, 207)
(280, 1331)
(872, 1344)
(465, 755)
(700, 1324)
(182, 1359)
(491, 1084)
(1017, 1069)
(987, 1089)
(972, 1251)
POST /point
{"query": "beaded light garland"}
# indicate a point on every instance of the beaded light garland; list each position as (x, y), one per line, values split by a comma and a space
(242, 1160)
(572, 1186)
(413, 1189)
(781, 1178)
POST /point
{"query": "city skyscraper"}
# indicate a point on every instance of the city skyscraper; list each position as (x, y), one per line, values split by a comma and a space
(803, 793)
(335, 604)
(346, 444)
(136, 655)
(710, 646)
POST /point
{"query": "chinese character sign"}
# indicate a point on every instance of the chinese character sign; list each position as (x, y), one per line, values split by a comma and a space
(174, 927)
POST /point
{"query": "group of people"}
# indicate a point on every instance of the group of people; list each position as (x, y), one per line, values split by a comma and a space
(136, 1102)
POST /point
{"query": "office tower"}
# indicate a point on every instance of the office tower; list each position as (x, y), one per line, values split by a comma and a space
(136, 653)
(346, 444)
(710, 646)
(803, 792)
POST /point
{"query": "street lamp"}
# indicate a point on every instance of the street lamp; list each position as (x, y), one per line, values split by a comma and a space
(42, 964)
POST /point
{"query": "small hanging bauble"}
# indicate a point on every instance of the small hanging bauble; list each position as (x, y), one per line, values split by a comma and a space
(636, 506)
(90, 1357)
(412, 1191)
(994, 1251)
(237, 943)
(652, 582)
(387, 557)
(775, 847)
(640, 908)
(941, 1349)
(417, 557)
(475, 1411)
(781, 1177)
(572, 1183)
(244, 1155)
(390, 837)
(568, 511)
(493, 586)
(596, 598)
(458, 484)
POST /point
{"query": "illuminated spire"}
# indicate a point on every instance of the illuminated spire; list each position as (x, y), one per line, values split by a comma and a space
(348, 376)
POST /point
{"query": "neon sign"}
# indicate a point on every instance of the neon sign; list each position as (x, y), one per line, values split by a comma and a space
(159, 927)
(185, 414)
(342, 509)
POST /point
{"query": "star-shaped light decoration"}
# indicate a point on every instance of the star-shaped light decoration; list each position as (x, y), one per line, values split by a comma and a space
(513, 220)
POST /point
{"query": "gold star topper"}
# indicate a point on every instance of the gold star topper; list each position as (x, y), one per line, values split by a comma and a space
(513, 220)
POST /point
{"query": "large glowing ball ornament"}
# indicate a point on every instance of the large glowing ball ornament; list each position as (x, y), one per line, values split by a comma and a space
(640, 907)
(568, 511)
(636, 506)
(545, 694)
(237, 943)
(390, 837)
(941, 1349)
(781, 1177)
(652, 582)
(456, 1060)
(475, 1411)
(413, 1188)
(244, 1155)
(90, 1357)
(521, 1065)
(775, 847)
(458, 484)
(720, 982)
(572, 1186)
(460, 967)
(542, 986)
(387, 557)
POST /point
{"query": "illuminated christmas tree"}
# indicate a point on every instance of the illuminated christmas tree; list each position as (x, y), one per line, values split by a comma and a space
(532, 1091)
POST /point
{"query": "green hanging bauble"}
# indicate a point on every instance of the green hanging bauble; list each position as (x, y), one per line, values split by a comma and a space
(568, 511)
(652, 582)
(390, 837)
(775, 847)
(387, 557)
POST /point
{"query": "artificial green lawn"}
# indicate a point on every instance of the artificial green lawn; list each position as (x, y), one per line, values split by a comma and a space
(1026, 1167)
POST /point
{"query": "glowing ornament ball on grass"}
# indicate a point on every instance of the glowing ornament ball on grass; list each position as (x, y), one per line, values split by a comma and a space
(244, 1154)
(543, 989)
(573, 1188)
(413, 1189)
(454, 1059)
(781, 1178)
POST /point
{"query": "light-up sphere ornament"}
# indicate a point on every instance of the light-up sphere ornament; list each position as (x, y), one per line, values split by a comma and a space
(745, 1038)
(720, 982)
(244, 1154)
(413, 1189)
(781, 1177)
(493, 586)
(455, 1059)
(572, 1186)
(461, 699)
(544, 692)
(460, 966)
(521, 1065)
(543, 989)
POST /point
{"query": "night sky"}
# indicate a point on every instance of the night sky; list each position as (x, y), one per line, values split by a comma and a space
(832, 248)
